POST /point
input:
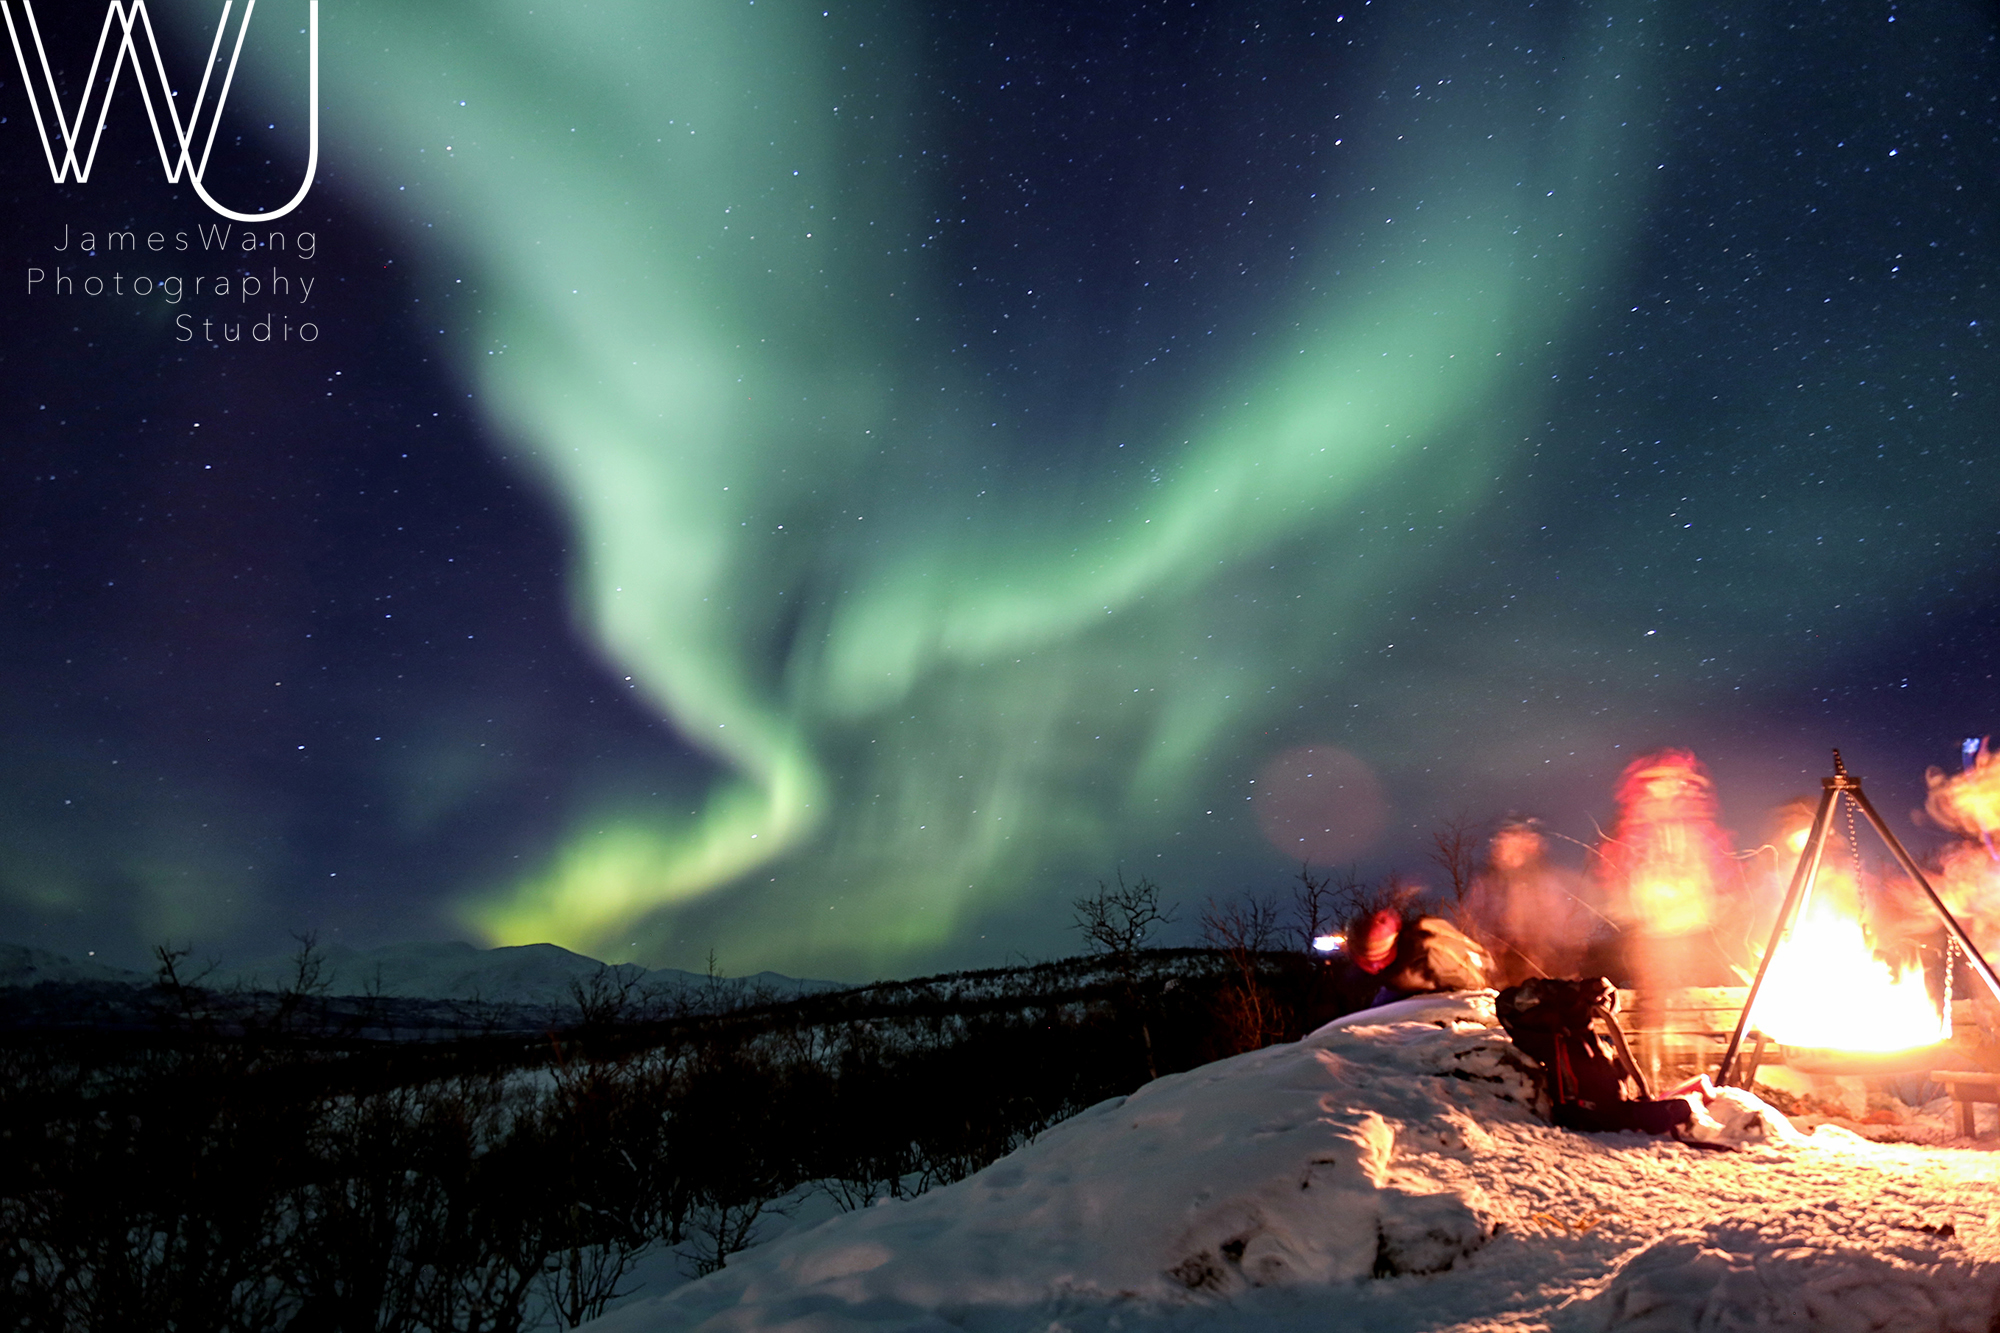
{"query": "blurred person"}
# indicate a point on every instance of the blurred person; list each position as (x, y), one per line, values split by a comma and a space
(1673, 887)
(1527, 908)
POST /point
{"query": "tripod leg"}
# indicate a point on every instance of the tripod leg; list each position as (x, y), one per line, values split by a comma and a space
(1756, 1059)
(1802, 877)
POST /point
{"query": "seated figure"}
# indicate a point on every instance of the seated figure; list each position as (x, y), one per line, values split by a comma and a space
(1417, 955)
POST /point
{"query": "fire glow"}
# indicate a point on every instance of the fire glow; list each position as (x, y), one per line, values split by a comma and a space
(1824, 985)
(1828, 989)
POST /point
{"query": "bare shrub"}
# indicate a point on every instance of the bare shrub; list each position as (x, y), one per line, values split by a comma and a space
(1316, 907)
(1245, 928)
(1455, 843)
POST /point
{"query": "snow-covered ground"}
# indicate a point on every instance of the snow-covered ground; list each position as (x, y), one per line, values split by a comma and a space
(1389, 1172)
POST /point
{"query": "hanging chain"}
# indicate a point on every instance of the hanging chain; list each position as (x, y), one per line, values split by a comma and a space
(1853, 844)
(1950, 966)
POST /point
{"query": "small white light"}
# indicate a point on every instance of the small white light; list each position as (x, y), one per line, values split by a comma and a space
(1329, 943)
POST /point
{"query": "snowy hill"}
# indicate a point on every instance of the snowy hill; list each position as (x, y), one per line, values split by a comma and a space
(538, 974)
(446, 970)
(454, 970)
(528, 974)
(21, 965)
(1389, 1172)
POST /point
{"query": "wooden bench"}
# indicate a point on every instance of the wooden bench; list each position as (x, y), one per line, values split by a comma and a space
(1685, 1031)
(1681, 1032)
(1967, 1091)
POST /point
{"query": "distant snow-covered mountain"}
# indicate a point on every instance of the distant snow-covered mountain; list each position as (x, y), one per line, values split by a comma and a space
(527, 974)
(515, 974)
(21, 965)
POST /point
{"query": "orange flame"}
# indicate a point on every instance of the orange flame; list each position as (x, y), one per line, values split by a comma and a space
(1969, 882)
(1828, 988)
(1967, 802)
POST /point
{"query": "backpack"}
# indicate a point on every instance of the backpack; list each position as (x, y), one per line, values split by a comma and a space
(1551, 1020)
(1434, 955)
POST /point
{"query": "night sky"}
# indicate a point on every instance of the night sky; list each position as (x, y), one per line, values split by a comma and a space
(829, 485)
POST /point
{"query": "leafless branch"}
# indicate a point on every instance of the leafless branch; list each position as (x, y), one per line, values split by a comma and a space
(1119, 922)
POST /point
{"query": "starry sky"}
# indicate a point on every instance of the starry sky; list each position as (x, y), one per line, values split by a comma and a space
(831, 484)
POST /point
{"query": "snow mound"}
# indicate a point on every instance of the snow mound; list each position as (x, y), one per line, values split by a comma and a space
(1791, 1273)
(1390, 1171)
(1734, 1118)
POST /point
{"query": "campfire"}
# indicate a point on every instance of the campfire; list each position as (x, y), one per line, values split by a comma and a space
(1828, 989)
(1821, 983)
(1856, 975)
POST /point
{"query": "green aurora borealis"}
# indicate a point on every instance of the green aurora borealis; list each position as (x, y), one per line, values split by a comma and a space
(787, 530)
(995, 439)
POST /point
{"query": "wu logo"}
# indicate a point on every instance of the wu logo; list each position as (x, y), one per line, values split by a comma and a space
(122, 17)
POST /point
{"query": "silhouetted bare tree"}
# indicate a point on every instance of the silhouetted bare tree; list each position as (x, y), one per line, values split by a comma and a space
(1455, 850)
(1245, 928)
(1316, 906)
(1119, 922)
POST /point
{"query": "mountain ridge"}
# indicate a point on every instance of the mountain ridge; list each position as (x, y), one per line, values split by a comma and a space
(416, 970)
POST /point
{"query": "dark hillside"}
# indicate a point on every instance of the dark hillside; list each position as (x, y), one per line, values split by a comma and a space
(183, 1158)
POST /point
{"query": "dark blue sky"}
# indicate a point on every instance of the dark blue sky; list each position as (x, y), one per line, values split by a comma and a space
(329, 636)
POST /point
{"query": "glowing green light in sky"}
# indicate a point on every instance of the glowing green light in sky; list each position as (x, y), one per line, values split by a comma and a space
(923, 679)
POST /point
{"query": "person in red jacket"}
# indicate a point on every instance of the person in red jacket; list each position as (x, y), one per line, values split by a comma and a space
(1416, 955)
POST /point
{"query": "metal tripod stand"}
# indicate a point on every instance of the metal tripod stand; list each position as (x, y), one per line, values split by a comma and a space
(1843, 784)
